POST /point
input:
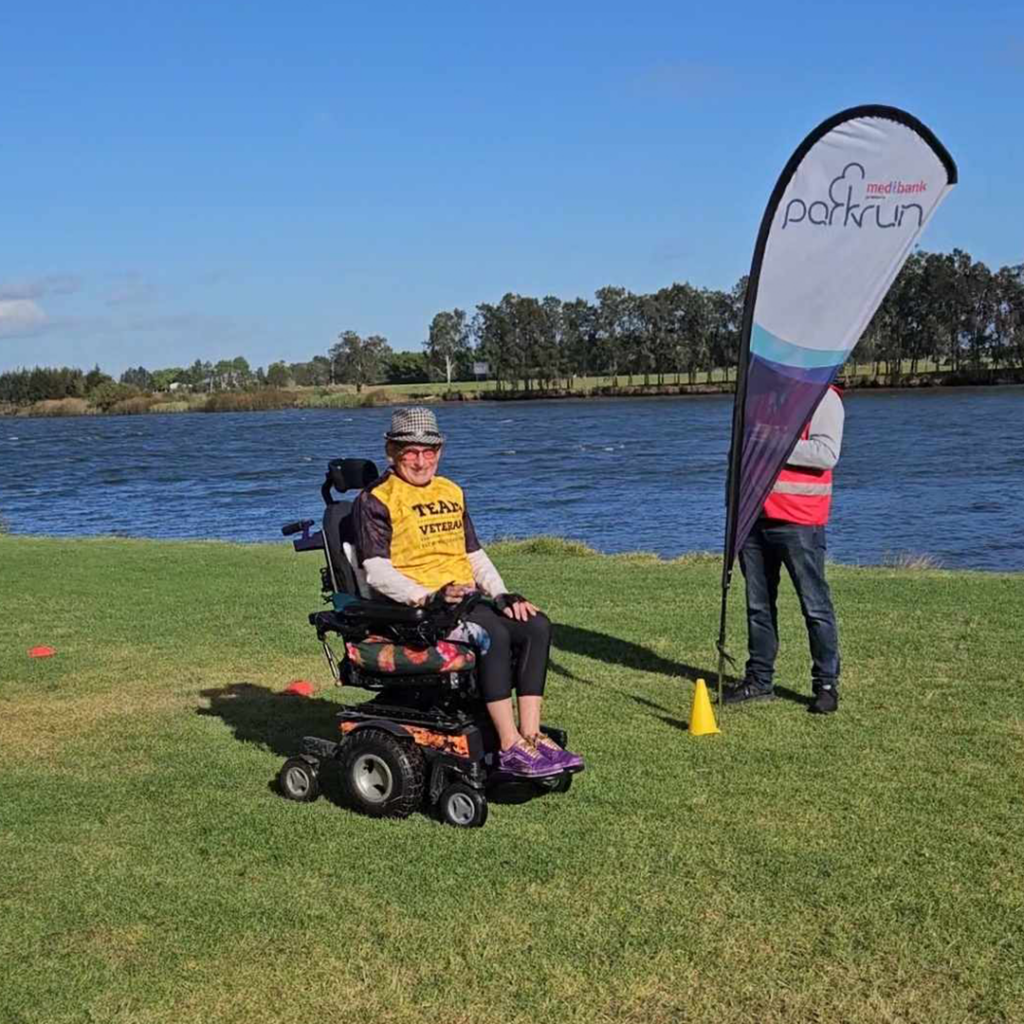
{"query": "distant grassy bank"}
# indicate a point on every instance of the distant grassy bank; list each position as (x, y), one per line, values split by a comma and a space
(858, 869)
(341, 396)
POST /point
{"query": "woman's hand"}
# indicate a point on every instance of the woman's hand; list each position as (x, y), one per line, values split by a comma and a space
(453, 593)
(522, 610)
(515, 606)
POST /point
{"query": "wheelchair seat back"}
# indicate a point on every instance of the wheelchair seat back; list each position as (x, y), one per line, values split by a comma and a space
(347, 576)
(343, 475)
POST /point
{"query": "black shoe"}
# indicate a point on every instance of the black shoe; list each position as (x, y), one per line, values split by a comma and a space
(739, 692)
(825, 702)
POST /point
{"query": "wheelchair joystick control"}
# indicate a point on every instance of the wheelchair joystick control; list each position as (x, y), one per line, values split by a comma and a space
(300, 524)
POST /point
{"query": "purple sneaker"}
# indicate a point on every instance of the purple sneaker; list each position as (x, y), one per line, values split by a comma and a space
(565, 760)
(525, 762)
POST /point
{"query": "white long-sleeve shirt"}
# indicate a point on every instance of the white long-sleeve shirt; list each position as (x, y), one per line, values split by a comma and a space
(821, 449)
(384, 578)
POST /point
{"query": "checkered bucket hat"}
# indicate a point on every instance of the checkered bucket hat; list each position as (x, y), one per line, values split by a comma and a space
(415, 425)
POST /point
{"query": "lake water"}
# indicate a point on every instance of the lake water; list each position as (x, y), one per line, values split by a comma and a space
(938, 473)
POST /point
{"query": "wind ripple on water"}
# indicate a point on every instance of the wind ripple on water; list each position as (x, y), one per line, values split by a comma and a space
(935, 473)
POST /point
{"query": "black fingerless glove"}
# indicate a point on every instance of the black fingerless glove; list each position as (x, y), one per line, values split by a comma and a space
(503, 601)
(437, 602)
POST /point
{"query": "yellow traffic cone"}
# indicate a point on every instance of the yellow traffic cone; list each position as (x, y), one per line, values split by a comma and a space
(702, 718)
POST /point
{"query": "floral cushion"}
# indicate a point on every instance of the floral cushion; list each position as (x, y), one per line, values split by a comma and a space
(377, 654)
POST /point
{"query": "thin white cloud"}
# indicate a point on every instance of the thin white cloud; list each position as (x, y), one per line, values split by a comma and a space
(40, 287)
(322, 121)
(132, 290)
(1013, 53)
(669, 252)
(20, 317)
(209, 278)
(687, 79)
(188, 324)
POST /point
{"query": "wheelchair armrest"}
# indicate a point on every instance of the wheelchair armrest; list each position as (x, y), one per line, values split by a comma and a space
(358, 613)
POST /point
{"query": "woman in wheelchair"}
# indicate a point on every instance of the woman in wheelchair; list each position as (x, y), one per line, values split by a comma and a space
(416, 540)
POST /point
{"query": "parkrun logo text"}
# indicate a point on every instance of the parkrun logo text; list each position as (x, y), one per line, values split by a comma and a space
(841, 211)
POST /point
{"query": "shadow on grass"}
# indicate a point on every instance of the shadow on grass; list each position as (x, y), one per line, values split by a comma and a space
(269, 719)
(792, 695)
(675, 723)
(614, 651)
(275, 721)
(667, 718)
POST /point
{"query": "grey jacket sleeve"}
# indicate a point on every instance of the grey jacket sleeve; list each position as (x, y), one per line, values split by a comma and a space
(821, 449)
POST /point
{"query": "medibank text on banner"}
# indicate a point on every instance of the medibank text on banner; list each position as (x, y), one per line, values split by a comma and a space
(843, 217)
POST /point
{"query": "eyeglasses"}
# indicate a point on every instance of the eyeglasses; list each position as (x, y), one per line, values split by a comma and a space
(427, 454)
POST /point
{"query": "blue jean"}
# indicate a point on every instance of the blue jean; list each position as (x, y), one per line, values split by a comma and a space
(801, 549)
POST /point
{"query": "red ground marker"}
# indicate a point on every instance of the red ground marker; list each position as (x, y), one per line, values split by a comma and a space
(41, 652)
(299, 688)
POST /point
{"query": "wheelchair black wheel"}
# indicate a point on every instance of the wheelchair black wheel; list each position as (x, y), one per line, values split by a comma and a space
(462, 806)
(554, 783)
(297, 780)
(562, 783)
(382, 775)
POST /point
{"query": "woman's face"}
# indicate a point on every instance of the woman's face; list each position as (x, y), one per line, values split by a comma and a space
(416, 464)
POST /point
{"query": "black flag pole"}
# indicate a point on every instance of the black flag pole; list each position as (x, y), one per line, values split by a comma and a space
(731, 485)
(732, 491)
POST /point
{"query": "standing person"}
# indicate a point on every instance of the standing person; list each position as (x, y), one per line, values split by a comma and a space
(414, 539)
(791, 532)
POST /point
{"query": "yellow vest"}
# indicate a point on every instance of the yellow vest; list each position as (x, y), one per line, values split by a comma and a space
(428, 542)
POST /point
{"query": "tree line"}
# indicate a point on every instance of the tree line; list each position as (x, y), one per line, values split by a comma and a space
(23, 387)
(944, 311)
(948, 310)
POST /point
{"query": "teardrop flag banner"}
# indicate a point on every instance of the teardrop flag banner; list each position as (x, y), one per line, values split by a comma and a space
(840, 223)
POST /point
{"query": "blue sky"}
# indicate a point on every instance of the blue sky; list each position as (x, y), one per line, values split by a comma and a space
(185, 180)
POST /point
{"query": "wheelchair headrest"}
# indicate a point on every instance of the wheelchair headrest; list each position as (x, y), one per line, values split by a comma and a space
(348, 475)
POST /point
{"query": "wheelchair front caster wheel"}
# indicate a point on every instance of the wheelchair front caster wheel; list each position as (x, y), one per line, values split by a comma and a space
(298, 780)
(462, 806)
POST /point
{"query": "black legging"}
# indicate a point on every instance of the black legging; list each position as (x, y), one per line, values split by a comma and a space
(531, 640)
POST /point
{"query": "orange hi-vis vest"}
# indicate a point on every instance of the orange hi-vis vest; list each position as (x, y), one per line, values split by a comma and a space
(801, 495)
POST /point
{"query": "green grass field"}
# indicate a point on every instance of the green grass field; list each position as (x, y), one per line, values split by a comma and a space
(864, 868)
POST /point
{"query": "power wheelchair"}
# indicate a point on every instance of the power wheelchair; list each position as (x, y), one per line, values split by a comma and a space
(424, 738)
